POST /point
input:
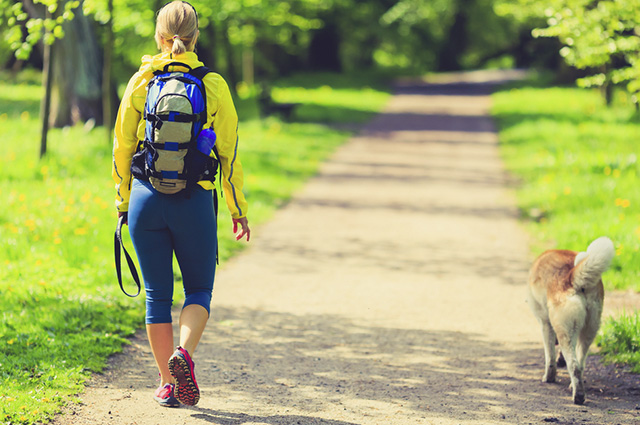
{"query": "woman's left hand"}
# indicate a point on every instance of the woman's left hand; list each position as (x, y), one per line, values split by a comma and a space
(244, 224)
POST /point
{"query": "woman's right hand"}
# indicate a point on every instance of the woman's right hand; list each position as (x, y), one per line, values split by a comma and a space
(244, 224)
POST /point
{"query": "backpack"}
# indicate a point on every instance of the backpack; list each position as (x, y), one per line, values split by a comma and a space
(175, 113)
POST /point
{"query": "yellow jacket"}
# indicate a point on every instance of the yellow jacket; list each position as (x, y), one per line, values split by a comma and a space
(130, 126)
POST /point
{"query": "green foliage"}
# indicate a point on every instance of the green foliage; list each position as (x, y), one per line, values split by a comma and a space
(600, 35)
(577, 160)
(268, 39)
(47, 27)
(619, 340)
(62, 311)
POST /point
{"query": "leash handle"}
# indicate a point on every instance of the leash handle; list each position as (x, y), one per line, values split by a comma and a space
(132, 267)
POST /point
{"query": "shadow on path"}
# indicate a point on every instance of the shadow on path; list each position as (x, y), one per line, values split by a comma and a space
(312, 361)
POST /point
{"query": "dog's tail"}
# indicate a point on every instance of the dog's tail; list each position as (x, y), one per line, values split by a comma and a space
(589, 266)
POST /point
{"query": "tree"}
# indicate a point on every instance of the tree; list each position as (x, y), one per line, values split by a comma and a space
(46, 26)
(598, 36)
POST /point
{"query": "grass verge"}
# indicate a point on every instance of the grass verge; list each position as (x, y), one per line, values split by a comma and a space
(62, 311)
(577, 163)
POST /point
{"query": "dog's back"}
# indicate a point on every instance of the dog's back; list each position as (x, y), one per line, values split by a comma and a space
(550, 280)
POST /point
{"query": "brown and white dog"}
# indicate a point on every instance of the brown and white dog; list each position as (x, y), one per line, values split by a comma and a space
(566, 295)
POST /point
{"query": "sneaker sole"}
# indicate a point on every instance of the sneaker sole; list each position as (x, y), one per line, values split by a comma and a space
(186, 390)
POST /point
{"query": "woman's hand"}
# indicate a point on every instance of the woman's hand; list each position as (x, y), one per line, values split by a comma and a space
(244, 224)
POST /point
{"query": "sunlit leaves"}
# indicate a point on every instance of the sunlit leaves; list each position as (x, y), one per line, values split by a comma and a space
(46, 28)
(601, 35)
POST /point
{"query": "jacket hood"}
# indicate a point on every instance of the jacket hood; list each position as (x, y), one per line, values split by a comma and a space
(160, 61)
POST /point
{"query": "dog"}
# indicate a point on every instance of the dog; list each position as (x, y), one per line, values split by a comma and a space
(566, 295)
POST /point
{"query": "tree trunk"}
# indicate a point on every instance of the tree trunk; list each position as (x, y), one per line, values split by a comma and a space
(206, 47)
(107, 104)
(247, 65)
(457, 41)
(46, 100)
(232, 74)
(324, 49)
(77, 74)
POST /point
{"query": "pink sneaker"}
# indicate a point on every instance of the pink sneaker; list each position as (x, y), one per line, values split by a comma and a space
(181, 367)
(164, 396)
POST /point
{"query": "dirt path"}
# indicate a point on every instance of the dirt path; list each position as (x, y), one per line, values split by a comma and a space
(389, 291)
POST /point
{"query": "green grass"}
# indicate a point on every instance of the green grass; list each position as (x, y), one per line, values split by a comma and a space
(578, 166)
(619, 341)
(62, 311)
(576, 161)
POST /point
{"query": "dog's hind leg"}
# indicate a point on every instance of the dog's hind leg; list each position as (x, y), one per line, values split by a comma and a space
(549, 340)
(559, 357)
(586, 338)
(568, 345)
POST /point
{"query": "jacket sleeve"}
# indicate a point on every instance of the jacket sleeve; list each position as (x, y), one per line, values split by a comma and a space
(225, 124)
(127, 129)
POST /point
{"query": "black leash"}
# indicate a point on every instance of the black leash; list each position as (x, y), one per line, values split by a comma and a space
(132, 267)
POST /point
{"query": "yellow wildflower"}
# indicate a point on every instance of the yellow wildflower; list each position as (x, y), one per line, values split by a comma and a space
(86, 197)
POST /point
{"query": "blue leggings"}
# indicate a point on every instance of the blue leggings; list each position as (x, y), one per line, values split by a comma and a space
(163, 224)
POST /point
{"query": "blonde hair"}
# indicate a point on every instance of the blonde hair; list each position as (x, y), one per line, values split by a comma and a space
(177, 24)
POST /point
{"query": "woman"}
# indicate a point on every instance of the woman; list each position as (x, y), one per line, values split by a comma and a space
(184, 224)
